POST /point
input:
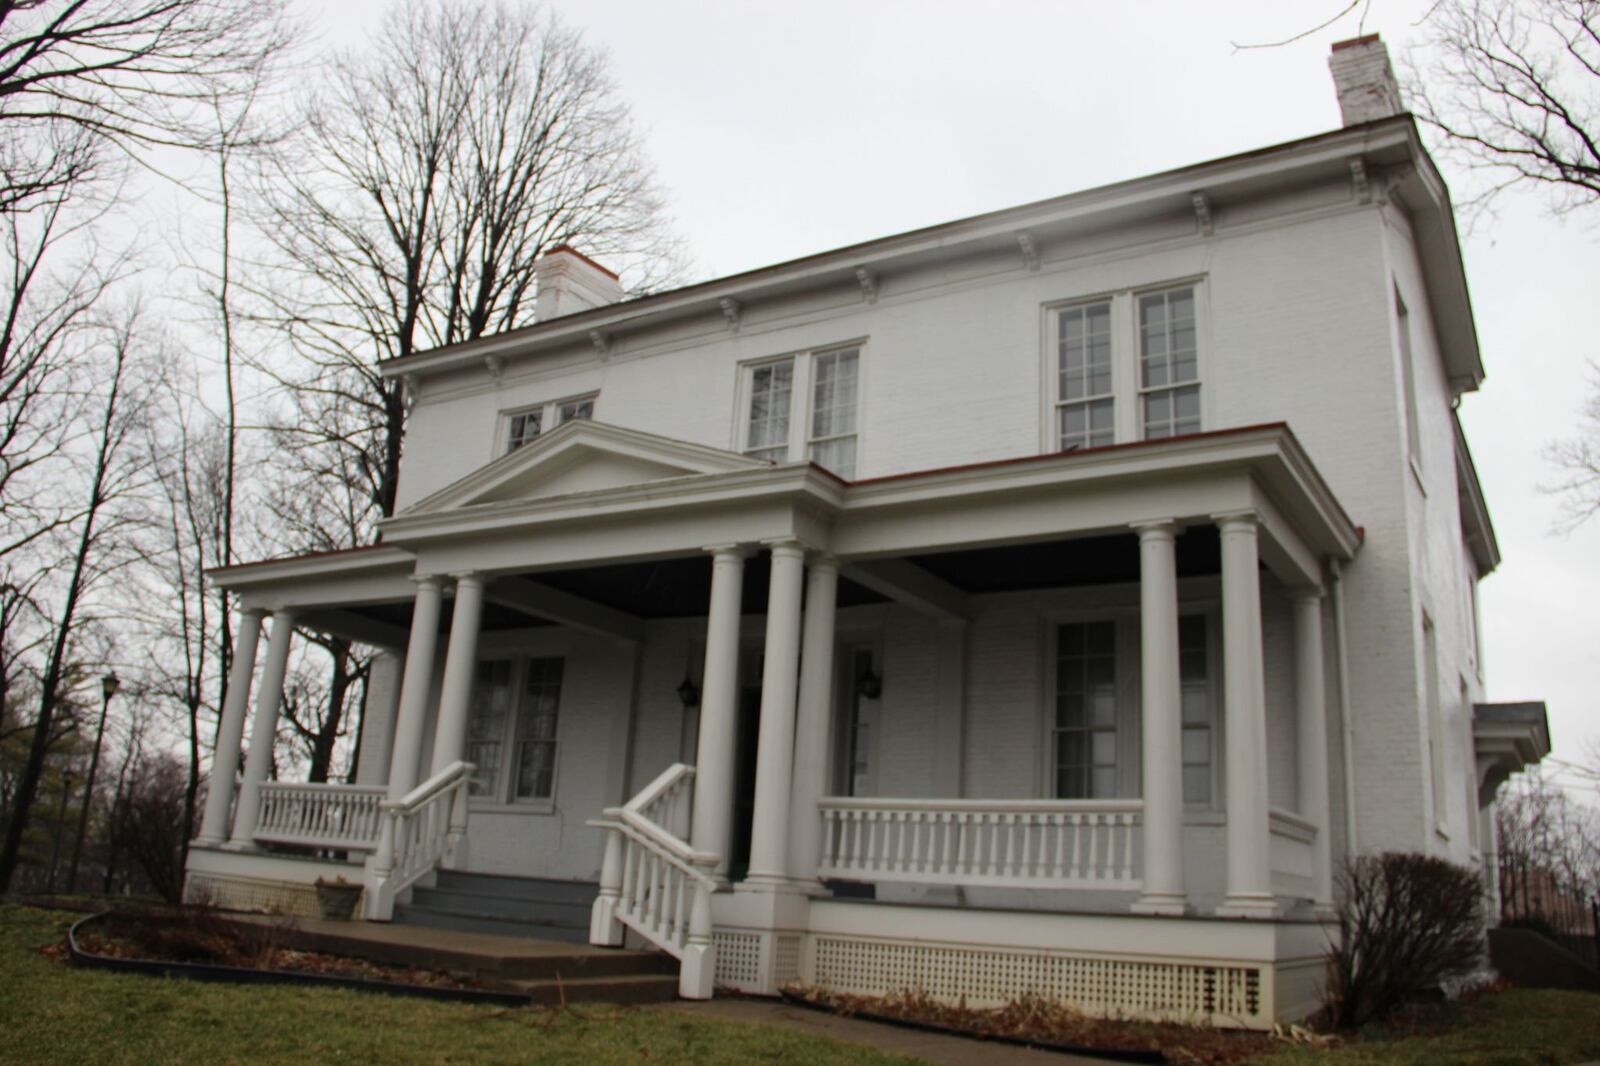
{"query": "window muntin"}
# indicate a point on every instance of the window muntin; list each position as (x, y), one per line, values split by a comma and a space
(833, 410)
(771, 397)
(1194, 688)
(486, 724)
(1085, 407)
(1169, 365)
(525, 425)
(536, 730)
(1084, 736)
(512, 729)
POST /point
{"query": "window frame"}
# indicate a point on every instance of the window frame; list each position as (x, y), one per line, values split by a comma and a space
(502, 798)
(1127, 389)
(1408, 383)
(1197, 597)
(549, 412)
(801, 401)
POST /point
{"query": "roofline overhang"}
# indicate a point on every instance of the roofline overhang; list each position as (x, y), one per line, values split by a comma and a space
(1507, 738)
(1475, 522)
(374, 560)
(1384, 142)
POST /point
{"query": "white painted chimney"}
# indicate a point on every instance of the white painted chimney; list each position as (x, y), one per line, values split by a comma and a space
(1364, 80)
(569, 281)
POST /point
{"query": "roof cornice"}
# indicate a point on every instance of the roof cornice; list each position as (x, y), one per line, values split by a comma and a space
(1388, 138)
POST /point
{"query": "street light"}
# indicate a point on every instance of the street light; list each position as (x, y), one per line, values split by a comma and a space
(108, 688)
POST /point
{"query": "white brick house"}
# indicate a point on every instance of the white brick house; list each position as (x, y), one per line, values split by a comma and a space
(1043, 601)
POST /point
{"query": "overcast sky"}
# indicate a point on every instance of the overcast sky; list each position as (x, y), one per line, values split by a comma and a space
(786, 129)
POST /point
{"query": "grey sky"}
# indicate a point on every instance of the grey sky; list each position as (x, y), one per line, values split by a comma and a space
(782, 130)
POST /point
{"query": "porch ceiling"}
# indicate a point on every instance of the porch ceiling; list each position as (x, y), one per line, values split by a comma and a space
(1061, 563)
(676, 588)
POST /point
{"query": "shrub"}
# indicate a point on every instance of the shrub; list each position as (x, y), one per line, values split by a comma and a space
(1408, 924)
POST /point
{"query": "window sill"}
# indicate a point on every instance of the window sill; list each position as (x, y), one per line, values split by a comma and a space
(543, 807)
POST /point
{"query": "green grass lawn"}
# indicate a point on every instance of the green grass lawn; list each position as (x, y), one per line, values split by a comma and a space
(52, 1013)
(1523, 1025)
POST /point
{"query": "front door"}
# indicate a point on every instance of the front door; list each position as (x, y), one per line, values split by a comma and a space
(747, 735)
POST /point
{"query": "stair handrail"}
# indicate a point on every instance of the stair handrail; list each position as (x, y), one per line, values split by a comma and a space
(667, 800)
(655, 883)
(419, 831)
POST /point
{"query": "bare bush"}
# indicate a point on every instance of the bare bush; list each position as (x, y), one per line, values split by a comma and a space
(1408, 923)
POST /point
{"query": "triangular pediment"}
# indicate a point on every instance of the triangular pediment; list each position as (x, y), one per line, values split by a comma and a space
(582, 456)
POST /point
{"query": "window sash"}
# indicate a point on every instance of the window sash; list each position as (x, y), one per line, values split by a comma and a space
(1169, 363)
(581, 408)
(524, 427)
(1196, 707)
(1084, 742)
(771, 402)
(512, 729)
(1085, 396)
(835, 379)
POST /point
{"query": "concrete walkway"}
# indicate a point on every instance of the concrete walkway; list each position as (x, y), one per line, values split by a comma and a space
(929, 1047)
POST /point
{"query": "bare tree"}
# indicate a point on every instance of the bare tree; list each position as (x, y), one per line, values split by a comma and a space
(1514, 88)
(431, 171)
(126, 76)
(1578, 459)
(108, 478)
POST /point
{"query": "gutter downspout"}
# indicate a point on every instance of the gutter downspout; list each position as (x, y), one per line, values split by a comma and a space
(1342, 655)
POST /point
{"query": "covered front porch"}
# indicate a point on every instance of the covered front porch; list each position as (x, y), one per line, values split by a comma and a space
(1052, 718)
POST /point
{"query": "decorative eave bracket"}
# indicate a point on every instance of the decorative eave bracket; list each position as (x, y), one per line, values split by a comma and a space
(1029, 250)
(1360, 187)
(730, 311)
(1202, 213)
(601, 342)
(496, 366)
(869, 284)
(410, 386)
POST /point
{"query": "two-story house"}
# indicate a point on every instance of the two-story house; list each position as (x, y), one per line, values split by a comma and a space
(1047, 601)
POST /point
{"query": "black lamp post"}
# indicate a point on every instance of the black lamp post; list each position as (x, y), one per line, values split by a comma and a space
(108, 688)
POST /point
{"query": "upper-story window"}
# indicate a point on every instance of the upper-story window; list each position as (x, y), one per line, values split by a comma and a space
(804, 405)
(1408, 378)
(525, 424)
(1126, 367)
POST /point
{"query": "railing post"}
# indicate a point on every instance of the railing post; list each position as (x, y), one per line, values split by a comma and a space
(604, 929)
(455, 851)
(379, 872)
(697, 975)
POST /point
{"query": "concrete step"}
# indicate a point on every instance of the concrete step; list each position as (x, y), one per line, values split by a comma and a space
(456, 901)
(656, 988)
(508, 887)
(575, 931)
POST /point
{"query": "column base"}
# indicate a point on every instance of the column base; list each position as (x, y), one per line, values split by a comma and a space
(771, 883)
(1170, 904)
(1250, 905)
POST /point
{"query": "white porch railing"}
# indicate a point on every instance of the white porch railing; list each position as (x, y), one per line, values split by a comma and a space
(654, 883)
(416, 834)
(1002, 843)
(319, 815)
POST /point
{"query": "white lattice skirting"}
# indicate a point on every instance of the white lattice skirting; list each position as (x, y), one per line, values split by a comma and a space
(985, 977)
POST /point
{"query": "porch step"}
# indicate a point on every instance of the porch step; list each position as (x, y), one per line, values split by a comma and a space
(502, 906)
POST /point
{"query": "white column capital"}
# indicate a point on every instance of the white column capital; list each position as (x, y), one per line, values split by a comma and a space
(258, 613)
(1308, 596)
(468, 577)
(1242, 521)
(428, 580)
(1157, 528)
(821, 560)
(786, 547)
(728, 553)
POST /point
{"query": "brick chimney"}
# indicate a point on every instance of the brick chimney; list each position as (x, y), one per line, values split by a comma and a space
(569, 281)
(1364, 80)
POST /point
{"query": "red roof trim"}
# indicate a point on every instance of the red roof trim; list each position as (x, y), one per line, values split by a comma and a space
(1354, 42)
(1102, 450)
(570, 250)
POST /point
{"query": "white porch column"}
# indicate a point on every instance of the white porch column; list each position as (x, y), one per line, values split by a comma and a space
(230, 730)
(813, 733)
(460, 665)
(378, 719)
(1311, 727)
(264, 729)
(416, 685)
(1161, 722)
(1249, 884)
(769, 832)
(719, 696)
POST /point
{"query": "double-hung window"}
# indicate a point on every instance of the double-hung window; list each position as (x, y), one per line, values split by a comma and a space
(525, 424)
(1124, 367)
(807, 405)
(1085, 730)
(1086, 408)
(1194, 687)
(511, 730)
(1169, 367)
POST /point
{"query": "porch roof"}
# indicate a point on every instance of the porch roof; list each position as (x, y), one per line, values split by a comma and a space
(656, 499)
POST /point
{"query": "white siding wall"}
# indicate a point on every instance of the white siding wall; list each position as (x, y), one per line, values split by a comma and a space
(1297, 326)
